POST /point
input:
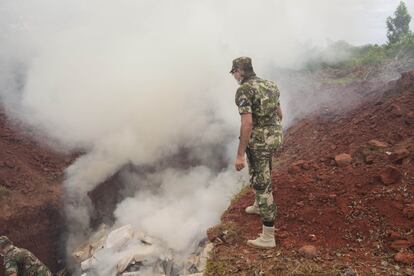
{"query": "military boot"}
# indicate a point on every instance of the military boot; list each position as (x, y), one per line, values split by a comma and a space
(265, 240)
(254, 209)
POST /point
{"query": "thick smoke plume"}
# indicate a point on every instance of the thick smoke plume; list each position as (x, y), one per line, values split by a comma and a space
(136, 82)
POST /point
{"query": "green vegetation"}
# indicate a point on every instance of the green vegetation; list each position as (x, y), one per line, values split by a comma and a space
(3, 192)
(342, 55)
(228, 233)
(368, 55)
(398, 26)
(217, 267)
(273, 264)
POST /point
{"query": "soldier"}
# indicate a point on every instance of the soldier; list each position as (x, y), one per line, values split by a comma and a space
(19, 261)
(260, 135)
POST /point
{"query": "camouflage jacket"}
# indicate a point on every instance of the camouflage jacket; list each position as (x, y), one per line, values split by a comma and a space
(23, 263)
(261, 98)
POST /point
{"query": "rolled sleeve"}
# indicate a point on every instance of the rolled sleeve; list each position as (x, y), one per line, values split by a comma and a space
(10, 267)
(243, 100)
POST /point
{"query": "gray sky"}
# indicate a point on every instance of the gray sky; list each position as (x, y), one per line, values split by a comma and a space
(356, 21)
(374, 13)
(384, 9)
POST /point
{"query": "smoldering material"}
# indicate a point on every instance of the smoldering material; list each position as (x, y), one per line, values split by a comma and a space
(137, 81)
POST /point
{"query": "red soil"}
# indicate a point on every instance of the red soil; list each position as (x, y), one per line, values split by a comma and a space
(31, 210)
(359, 210)
(351, 211)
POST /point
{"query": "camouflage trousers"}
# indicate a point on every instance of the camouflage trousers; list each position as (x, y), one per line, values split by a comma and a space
(260, 170)
(39, 271)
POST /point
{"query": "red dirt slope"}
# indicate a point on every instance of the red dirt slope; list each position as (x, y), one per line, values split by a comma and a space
(357, 208)
(30, 177)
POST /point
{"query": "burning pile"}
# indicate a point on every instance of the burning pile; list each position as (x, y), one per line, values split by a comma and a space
(135, 253)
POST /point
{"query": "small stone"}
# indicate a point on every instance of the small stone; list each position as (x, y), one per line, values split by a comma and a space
(394, 235)
(378, 144)
(298, 166)
(343, 159)
(294, 169)
(399, 155)
(400, 244)
(300, 203)
(367, 155)
(409, 211)
(390, 175)
(306, 166)
(384, 263)
(308, 251)
(312, 238)
(404, 257)
(396, 110)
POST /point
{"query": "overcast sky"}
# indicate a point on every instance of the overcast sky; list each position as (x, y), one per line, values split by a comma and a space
(383, 10)
(355, 21)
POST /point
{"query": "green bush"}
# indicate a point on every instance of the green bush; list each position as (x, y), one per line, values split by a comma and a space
(368, 55)
(404, 48)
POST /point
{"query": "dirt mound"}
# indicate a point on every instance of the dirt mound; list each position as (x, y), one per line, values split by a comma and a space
(344, 183)
(30, 191)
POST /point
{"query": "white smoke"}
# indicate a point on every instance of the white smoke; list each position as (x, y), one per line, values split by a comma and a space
(133, 82)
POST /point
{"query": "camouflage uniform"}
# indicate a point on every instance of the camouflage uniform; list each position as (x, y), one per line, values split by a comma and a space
(260, 98)
(23, 263)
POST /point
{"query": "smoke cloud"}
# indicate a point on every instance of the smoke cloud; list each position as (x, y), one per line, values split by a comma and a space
(135, 82)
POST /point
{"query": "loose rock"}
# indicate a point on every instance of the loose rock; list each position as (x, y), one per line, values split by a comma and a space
(343, 159)
(390, 175)
(409, 211)
(404, 257)
(298, 166)
(396, 110)
(401, 244)
(294, 169)
(308, 251)
(378, 144)
(399, 155)
(394, 235)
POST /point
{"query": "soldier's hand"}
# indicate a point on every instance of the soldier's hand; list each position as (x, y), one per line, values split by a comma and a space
(240, 163)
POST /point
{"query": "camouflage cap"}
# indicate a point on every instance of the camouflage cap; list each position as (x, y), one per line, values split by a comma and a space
(244, 63)
(4, 240)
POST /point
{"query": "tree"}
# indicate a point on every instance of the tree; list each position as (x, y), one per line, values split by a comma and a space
(398, 26)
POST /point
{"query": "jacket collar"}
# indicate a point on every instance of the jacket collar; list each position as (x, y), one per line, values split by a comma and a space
(248, 77)
(11, 247)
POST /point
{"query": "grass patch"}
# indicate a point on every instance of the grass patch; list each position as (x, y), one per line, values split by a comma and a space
(4, 192)
(341, 81)
(243, 191)
(227, 232)
(217, 267)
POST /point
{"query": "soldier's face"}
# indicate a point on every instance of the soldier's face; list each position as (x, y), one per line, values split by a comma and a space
(237, 76)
